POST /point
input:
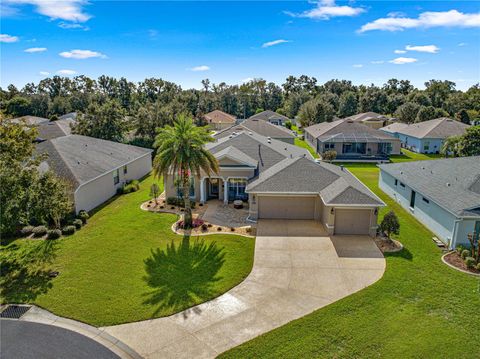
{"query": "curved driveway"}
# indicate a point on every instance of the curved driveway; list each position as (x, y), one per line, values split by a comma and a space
(28, 340)
(297, 269)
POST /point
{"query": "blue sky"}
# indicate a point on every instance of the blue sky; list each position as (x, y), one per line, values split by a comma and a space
(185, 42)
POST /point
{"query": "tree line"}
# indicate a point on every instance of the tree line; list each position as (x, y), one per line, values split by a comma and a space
(124, 111)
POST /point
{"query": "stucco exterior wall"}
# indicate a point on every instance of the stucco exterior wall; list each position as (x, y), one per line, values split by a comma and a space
(96, 192)
(464, 228)
(417, 144)
(437, 219)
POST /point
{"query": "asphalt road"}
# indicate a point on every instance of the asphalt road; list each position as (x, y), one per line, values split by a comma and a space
(27, 340)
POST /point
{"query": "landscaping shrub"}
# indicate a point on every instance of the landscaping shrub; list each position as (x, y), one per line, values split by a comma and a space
(460, 249)
(135, 183)
(83, 216)
(232, 229)
(465, 253)
(77, 223)
(68, 230)
(195, 223)
(54, 234)
(470, 262)
(26, 231)
(478, 266)
(129, 189)
(39, 231)
(219, 229)
(204, 227)
(179, 202)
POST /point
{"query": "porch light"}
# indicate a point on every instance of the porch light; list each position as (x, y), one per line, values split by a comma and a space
(332, 211)
(376, 211)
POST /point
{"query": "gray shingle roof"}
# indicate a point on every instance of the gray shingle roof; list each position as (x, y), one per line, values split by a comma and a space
(268, 115)
(452, 183)
(303, 175)
(237, 155)
(437, 128)
(394, 127)
(80, 159)
(347, 131)
(31, 120)
(266, 152)
(366, 116)
(263, 128)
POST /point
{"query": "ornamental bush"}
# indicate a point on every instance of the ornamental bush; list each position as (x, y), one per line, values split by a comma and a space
(83, 216)
(26, 231)
(470, 262)
(465, 253)
(39, 231)
(77, 223)
(68, 230)
(54, 234)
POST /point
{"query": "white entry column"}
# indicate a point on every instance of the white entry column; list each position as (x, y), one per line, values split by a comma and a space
(225, 191)
(202, 190)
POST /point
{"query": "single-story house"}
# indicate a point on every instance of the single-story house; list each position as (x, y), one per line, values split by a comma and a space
(94, 168)
(443, 194)
(219, 120)
(370, 119)
(271, 116)
(428, 136)
(263, 128)
(393, 129)
(353, 141)
(53, 129)
(281, 181)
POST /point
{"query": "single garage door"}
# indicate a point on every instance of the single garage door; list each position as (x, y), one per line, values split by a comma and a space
(352, 221)
(286, 207)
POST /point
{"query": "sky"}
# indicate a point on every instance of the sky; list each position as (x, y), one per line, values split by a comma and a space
(234, 41)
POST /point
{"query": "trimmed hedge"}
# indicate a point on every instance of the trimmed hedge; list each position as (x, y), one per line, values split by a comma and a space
(39, 231)
(77, 223)
(26, 231)
(83, 216)
(54, 234)
(470, 262)
(68, 230)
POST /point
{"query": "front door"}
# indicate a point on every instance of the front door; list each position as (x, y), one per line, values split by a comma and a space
(213, 188)
(412, 199)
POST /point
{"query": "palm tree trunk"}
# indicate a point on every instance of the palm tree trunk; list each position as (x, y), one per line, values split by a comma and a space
(187, 219)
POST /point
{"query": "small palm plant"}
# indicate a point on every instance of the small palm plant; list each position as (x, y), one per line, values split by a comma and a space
(181, 152)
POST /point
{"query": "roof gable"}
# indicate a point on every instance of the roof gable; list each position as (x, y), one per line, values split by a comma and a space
(217, 116)
(232, 154)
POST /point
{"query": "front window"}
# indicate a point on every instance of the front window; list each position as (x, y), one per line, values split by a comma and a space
(355, 148)
(426, 146)
(236, 189)
(116, 176)
(329, 146)
(178, 184)
(125, 169)
(385, 147)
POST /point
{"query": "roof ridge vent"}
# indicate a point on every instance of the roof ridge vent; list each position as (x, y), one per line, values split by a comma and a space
(448, 184)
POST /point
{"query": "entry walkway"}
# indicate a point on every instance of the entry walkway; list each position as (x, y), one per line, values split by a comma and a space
(298, 268)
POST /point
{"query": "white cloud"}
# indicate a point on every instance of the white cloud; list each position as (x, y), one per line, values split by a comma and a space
(66, 25)
(200, 68)
(275, 42)
(377, 62)
(403, 60)
(462, 44)
(327, 9)
(452, 18)
(35, 49)
(44, 73)
(400, 51)
(81, 54)
(69, 10)
(358, 66)
(66, 72)
(432, 49)
(8, 38)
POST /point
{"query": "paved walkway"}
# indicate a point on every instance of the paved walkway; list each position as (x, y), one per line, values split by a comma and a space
(225, 215)
(297, 269)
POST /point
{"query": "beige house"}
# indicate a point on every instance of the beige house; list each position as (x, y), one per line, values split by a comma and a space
(370, 119)
(278, 180)
(94, 168)
(271, 116)
(352, 141)
(219, 120)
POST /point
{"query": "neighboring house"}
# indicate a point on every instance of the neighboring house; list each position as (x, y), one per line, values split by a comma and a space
(271, 116)
(352, 141)
(428, 136)
(31, 120)
(394, 128)
(69, 116)
(54, 129)
(443, 194)
(370, 119)
(282, 181)
(94, 168)
(219, 120)
(263, 128)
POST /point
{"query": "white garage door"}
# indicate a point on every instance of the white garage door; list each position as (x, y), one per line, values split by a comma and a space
(352, 221)
(286, 207)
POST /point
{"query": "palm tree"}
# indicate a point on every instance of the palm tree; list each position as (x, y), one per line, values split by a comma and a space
(181, 151)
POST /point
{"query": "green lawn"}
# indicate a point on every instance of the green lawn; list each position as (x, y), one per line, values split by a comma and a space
(125, 265)
(301, 143)
(419, 309)
(412, 156)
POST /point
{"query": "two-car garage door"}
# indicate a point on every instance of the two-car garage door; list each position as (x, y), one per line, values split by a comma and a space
(352, 221)
(286, 207)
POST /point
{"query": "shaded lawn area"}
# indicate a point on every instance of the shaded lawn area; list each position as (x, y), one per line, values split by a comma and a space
(407, 156)
(125, 265)
(420, 308)
(301, 143)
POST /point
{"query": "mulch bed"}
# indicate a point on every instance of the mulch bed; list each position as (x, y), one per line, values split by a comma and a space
(455, 260)
(388, 246)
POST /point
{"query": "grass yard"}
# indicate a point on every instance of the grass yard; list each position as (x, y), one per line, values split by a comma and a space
(302, 143)
(408, 155)
(125, 265)
(419, 309)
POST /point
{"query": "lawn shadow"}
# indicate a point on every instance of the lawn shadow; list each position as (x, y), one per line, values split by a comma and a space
(404, 253)
(182, 274)
(25, 273)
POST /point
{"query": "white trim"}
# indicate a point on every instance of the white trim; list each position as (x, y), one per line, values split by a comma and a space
(237, 168)
(235, 160)
(114, 169)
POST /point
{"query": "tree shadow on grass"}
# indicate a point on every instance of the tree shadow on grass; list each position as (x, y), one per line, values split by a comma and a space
(183, 275)
(25, 272)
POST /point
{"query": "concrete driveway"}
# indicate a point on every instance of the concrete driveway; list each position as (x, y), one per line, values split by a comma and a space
(297, 269)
